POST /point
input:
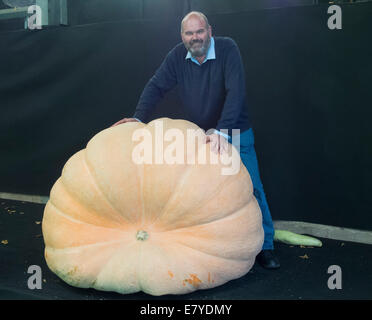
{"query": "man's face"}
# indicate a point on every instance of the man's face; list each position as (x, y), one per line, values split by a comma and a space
(196, 36)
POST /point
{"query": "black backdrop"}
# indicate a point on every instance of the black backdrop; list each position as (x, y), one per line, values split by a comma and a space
(309, 92)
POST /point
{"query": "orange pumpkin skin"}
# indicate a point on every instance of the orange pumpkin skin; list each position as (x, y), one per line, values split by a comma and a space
(115, 225)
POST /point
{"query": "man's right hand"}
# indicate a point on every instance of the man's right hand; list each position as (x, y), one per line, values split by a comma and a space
(124, 121)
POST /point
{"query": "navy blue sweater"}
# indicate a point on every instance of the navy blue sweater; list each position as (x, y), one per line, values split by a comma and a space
(213, 94)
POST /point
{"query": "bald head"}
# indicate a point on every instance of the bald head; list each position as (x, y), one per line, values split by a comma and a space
(195, 15)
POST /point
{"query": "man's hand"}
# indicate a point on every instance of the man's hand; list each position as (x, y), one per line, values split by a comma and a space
(218, 143)
(124, 121)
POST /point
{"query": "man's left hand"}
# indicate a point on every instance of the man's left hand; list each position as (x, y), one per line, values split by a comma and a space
(218, 143)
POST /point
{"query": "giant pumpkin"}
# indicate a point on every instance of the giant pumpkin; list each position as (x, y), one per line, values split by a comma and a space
(115, 224)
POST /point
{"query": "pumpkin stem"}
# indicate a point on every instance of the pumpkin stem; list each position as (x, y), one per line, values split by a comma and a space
(142, 235)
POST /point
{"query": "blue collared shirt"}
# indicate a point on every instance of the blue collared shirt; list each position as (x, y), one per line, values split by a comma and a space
(210, 54)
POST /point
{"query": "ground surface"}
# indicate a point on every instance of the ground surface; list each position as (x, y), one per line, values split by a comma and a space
(303, 273)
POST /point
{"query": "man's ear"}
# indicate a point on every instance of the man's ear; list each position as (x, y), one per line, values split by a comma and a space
(210, 31)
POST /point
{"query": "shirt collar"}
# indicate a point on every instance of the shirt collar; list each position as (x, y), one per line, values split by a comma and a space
(210, 53)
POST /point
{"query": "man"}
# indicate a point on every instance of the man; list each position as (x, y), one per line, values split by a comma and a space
(210, 76)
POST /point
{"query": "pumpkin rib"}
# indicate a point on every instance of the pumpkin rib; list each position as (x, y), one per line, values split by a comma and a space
(174, 194)
(140, 271)
(77, 248)
(60, 212)
(81, 233)
(212, 196)
(111, 258)
(229, 216)
(222, 270)
(76, 166)
(222, 277)
(199, 205)
(236, 214)
(140, 172)
(99, 188)
(201, 224)
(76, 220)
(210, 254)
(69, 253)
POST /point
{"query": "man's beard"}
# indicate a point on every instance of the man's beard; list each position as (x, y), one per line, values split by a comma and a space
(200, 48)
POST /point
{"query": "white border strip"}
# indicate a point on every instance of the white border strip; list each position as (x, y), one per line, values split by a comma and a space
(325, 231)
(24, 197)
